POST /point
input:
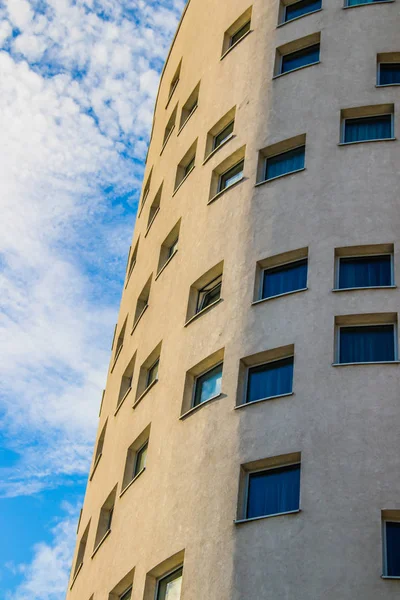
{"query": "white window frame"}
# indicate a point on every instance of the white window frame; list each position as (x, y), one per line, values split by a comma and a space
(228, 137)
(379, 362)
(283, 17)
(282, 56)
(343, 126)
(367, 255)
(233, 44)
(259, 364)
(378, 70)
(384, 546)
(193, 405)
(220, 189)
(129, 589)
(146, 443)
(267, 158)
(263, 470)
(284, 264)
(160, 579)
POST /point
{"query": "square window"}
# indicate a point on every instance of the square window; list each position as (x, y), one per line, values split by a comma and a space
(270, 380)
(363, 129)
(287, 162)
(232, 176)
(284, 279)
(224, 135)
(239, 34)
(300, 8)
(391, 548)
(185, 167)
(366, 343)
(237, 31)
(273, 491)
(300, 58)
(389, 74)
(173, 248)
(105, 519)
(365, 271)
(209, 294)
(208, 385)
(169, 587)
(140, 460)
(169, 247)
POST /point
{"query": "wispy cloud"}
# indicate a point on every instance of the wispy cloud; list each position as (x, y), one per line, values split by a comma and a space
(46, 577)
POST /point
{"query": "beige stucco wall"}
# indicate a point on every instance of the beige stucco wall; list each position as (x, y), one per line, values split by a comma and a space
(344, 421)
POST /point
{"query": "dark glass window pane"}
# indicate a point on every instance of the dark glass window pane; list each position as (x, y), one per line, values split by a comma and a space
(287, 162)
(300, 58)
(274, 491)
(240, 33)
(208, 385)
(189, 167)
(152, 373)
(231, 176)
(140, 461)
(369, 343)
(297, 9)
(271, 379)
(393, 549)
(209, 294)
(169, 588)
(109, 518)
(366, 271)
(172, 248)
(389, 73)
(284, 279)
(368, 128)
(225, 133)
(126, 595)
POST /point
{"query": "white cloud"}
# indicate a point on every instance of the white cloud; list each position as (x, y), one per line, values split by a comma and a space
(46, 577)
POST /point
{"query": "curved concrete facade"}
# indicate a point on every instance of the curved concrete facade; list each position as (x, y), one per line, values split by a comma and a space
(341, 422)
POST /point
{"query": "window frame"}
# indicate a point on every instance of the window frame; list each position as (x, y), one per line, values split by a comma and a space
(264, 470)
(280, 265)
(227, 187)
(267, 158)
(386, 520)
(283, 56)
(136, 473)
(228, 137)
(168, 574)
(200, 299)
(260, 364)
(367, 255)
(233, 43)
(343, 128)
(283, 20)
(383, 62)
(149, 370)
(347, 5)
(195, 383)
(123, 596)
(373, 324)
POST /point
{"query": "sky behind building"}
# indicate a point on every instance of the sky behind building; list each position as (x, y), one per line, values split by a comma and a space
(78, 82)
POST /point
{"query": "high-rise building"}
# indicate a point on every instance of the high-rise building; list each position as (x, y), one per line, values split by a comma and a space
(248, 443)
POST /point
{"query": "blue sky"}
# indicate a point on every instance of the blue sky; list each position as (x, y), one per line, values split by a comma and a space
(78, 81)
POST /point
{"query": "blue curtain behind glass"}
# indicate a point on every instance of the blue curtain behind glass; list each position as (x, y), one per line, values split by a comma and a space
(274, 491)
(301, 8)
(368, 128)
(368, 271)
(393, 549)
(301, 58)
(370, 343)
(285, 163)
(271, 379)
(288, 278)
(356, 2)
(389, 73)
